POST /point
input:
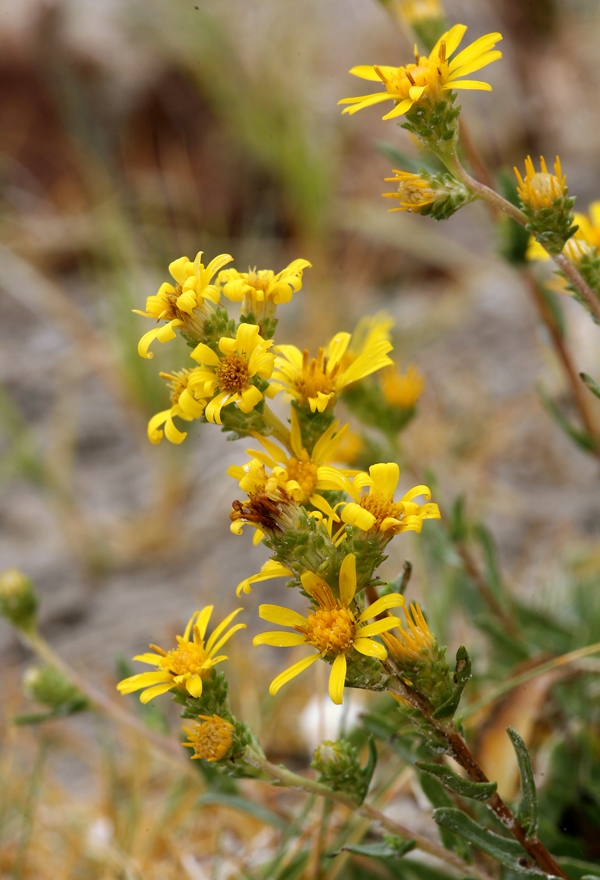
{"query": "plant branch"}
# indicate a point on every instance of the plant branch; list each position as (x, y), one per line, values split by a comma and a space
(459, 750)
(497, 201)
(300, 783)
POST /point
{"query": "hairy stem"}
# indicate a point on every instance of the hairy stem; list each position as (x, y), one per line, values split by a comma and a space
(459, 750)
(300, 783)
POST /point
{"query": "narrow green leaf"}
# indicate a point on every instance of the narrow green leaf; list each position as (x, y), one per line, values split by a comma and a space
(390, 848)
(462, 674)
(437, 796)
(593, 386)
(528, 808)
(580, 438)
(369, 767)
(244, 806)
(505, 850)
(490, 554)
(479, 791)
(459, 526)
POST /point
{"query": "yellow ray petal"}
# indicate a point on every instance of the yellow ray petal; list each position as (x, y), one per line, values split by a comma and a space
(156, 691)
(452, 39)
(282, 616)
(468, 84)
(367, 71)
(337, 679)
(227, 636)
(370, 648)
(380, 626)
(476, 64)
(348, 579)
(194, 686)
(474, 50)
(219, 629)
(393, 600)
(399, 109)
(154, 659)
(278, 639)
(290, 673)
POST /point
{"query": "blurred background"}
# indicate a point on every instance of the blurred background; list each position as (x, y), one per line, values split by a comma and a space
(132, 133)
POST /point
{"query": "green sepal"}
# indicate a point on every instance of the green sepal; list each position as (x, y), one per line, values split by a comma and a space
(505, 850)
(479, 791)
(462, 674)
(528, 808)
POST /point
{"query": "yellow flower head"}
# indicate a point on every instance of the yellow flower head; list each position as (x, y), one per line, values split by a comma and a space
(186, 306)
(185, 403)
(427, 79)
(402, 389)
(583, 243)
(317, 382)
(227, 377)
(414, 192)
(211, 740)
(416, 11)
(413, 644)
(351, 449)
(261, 291)
(540, 189)
(185, 666)
(268, 508)
(333, 626)
(301, 469)
(376, 510)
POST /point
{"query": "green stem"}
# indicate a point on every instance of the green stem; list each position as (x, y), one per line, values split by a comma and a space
(278, 429)
(299, 783)
(494, 199)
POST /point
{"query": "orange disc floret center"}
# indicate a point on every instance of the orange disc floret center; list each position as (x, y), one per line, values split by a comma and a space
(380, 507)
(429, 74)
(305, 473)
(213, 739)
(232, 373)
(330, 630)
(184, 660)
(315, 376)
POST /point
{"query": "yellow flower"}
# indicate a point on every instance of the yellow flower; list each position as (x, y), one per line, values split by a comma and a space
(540, 189)
(185, 666)
(351, 449)
(415, 11)
(402, 389)
(269, 508)
(302, 481)
(260, 292)
(270, 569)
(334, 628)
(427, 79)
(211, 740)
(414, 192)
(227, 378)
(186, 306)
(581, 244)
(185, 403)
(376, 510)
(415, 643)
(317, 382)
(370, 331)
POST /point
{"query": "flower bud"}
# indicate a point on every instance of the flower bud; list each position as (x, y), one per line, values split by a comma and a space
(546, 204)
(18, 600)
(51, 688)
(437, 196)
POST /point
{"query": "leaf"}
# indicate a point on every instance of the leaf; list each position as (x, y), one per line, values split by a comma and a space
(580, 438)
(490, 555)
(593, 386)
(528, 808)
(390, 848)
(244, 806)
(504, 849)
(437, 795)
(459, 527)
(462, 674)
(369, 768)
(479, 791)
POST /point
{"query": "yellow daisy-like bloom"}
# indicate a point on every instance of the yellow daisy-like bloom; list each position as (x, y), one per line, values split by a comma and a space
(427, 79)
(187, 305)
(227, 378)
(302, 482)
(402, 389)
(185, 404)
(540, 189)
(317, 382)
(333, 627)
(269, 508)
(261, 291)
(376, 510)
(414, 643)
(211, 740)
(186, 665)
(414, 192)
(581, 244)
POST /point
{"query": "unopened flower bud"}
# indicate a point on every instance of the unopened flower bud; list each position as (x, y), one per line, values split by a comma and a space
(18, 600)
(546, 204)
(51, 688)
(437, 196)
